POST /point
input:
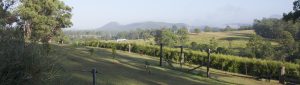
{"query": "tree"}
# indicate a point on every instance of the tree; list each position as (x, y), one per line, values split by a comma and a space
(182, 35)
(260, 48)
(174, 28)
(223, 50)
(6, 16)
(207, 29)
(228, 28)
(213, 44)
(194, 45)
(197, 30)
(293, 15)
(268, 27)
(245, 28)
(122, 35)
(29, 62)
(146, 35)
(287, 44)
(42, 19)
(166, 37)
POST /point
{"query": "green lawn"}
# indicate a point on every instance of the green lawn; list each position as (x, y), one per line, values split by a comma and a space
(128, 69)
(238, 38)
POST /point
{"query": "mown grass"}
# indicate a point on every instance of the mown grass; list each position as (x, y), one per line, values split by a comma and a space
(238, 39)
(128, 69)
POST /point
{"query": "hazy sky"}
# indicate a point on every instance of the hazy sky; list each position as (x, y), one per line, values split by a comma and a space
(88, 14)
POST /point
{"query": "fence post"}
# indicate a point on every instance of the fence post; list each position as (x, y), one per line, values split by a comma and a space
(208, 62)
(94, 71)
(246, 69)
(161, 54)
(181, 57)
(282, 77)
(129, 48)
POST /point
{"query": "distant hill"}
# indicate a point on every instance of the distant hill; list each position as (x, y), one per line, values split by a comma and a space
(115, 26)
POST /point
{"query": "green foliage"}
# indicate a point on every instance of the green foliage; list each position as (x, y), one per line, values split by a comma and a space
(222, 50)
(166, 37)
(255, 67)
(213, 44)
(268, 28)
(260, 48)
(146, 35)
(286, 33)
(293, 15)
(287, 43)
(207, 29)
(245, 28)
(276, 28)
(182, 35)
(228, 28)
(197, 30)
(6, 15)
(25, 63)
(194, 45)
(42, 19)
(134, 34)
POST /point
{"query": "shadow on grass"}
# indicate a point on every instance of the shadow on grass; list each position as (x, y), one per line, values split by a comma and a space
(243, 34)
(127, 69)
(123, 70)
(234, 38)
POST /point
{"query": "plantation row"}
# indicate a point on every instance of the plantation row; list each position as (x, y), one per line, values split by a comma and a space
(254, 67)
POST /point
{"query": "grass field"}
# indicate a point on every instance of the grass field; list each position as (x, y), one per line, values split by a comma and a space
(238, 38)
(128, 69)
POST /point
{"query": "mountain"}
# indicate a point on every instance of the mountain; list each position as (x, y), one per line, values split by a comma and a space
(111, 26)
(115, 26)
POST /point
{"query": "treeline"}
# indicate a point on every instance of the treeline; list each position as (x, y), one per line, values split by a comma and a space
(107, 35)
(214, 46)
(285, 31)
(220, 29)
(250, 66)
(143, 33)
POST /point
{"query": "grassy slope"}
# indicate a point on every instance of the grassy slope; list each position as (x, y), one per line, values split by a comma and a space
(128, 69)
(239, 38)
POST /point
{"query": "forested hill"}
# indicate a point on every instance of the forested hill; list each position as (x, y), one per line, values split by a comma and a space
(115, 26)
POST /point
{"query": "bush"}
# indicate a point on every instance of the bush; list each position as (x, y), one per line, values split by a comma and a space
(25, 63)
(254, 67)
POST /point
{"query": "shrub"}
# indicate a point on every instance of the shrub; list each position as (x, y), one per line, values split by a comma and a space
(25, 63)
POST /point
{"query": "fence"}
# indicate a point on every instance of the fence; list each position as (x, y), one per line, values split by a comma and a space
(254, 67)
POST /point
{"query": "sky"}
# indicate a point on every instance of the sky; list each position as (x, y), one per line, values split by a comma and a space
(91, 14)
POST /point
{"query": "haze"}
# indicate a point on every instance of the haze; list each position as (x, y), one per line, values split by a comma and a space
(90, 14)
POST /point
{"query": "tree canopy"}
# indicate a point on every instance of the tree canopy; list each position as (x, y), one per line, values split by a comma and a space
(6, 15)
(43, 19)
(166, 37)
(182, 35)
(295, 14)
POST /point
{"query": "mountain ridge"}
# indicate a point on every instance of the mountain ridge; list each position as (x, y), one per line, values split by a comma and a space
(115, 26)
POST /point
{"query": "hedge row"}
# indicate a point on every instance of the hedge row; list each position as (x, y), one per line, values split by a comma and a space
(250, 66)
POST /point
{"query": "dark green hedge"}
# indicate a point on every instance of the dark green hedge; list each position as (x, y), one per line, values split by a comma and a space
(254, 67)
